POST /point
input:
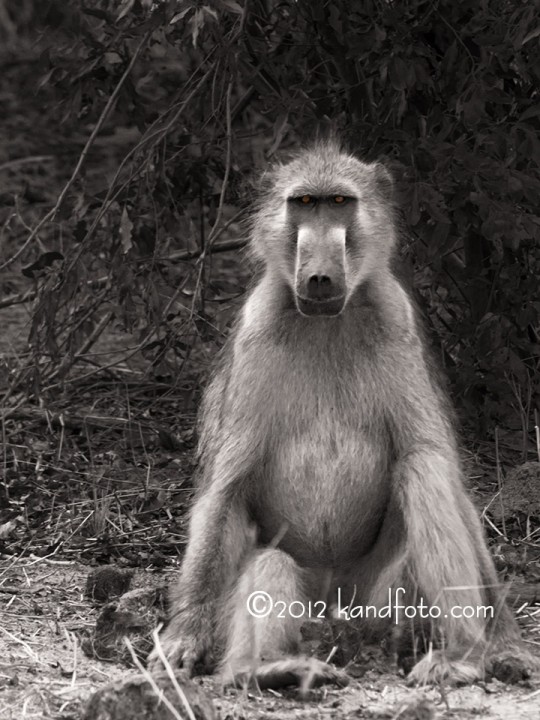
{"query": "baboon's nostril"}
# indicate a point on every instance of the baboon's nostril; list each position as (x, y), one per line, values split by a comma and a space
(319, 287)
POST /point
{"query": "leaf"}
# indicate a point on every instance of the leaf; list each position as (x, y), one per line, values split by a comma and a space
(398, 72)
(125, 7)
(414, 209)
(210, 11)
(335, 23)
(47, 78)
(232, 6)
(180, 15)
(517, 366)
(126, 228)
(196, 24)
(197, 21)
(531, 112)
(7, 528)
(439, 237)
(530, 36)
(474, 110)
(515, 186)
(281, 126)
(450, 58)
(112, 58)
(42, 263)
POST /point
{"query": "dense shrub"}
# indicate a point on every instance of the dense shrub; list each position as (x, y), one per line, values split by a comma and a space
(446, 92)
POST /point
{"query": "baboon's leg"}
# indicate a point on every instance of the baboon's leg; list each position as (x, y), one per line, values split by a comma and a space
(274, 576)
(263, 648)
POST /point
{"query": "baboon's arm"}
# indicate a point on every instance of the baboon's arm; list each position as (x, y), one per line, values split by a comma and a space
(418, 410)
(233, 440)
(220, 535)
(428, 488)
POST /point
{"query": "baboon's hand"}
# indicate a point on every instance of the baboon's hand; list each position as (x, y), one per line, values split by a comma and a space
(182, 651)
(183, 643)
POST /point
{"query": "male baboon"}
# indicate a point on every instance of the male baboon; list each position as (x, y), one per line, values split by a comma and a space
(327, 457)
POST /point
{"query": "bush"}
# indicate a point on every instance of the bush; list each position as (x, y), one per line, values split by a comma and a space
(445, 92)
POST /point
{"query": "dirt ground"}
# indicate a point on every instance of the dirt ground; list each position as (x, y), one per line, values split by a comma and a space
(45, 674)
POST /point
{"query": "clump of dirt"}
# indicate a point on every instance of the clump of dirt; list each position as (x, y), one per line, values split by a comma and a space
(520, 492)
(140, 698)
(107, 582)
(135, 615)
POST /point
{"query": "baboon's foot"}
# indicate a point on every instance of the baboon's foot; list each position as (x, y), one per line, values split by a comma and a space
(436, 667)
(298, 671)
(512, 666)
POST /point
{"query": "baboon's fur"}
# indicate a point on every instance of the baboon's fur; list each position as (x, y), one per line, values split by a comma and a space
(327, 454)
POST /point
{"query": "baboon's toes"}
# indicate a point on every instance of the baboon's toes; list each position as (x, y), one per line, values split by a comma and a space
(301, 671)
(436, 668)
(513, 666)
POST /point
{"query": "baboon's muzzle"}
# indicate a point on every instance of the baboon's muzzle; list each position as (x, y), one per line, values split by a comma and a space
(320, 271)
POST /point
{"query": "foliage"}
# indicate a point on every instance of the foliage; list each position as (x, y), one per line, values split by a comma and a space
(446, 92)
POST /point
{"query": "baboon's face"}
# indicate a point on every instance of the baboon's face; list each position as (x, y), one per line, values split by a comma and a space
(318, 235)
(327, 225)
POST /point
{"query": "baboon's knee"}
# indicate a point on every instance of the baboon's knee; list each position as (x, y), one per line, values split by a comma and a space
(273, 569)
(260, 625)
(270, 580)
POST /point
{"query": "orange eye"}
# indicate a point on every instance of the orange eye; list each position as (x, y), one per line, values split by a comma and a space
(339, 199)
(306, 199)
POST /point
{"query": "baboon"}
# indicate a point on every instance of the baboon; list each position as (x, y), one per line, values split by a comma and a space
(328, 463)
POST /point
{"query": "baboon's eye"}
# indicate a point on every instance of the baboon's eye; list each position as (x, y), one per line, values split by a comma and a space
(339, 199)
(304, 199)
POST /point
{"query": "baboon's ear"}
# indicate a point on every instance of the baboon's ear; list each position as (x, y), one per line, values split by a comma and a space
(266, 182)
(257, 185)
(383, 181)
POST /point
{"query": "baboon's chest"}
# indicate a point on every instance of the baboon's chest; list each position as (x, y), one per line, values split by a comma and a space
(324, 487)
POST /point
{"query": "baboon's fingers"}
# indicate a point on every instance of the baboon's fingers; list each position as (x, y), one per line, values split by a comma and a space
(188, 662)
(195, 653)
(177, 652)
(152, 662)
(155, 663)
(300, 671)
